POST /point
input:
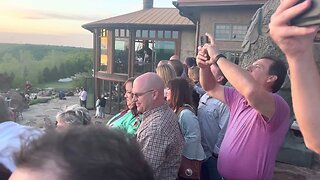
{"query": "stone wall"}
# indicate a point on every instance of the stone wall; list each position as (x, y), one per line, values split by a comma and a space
(187, 44)
(232, 15)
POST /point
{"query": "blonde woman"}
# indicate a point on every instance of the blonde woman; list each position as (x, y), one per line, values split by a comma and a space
(73, 115)
(166, 73)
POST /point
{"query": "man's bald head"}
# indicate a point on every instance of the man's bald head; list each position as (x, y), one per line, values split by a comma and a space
(174, 58)
(149, 81)
(148, 91)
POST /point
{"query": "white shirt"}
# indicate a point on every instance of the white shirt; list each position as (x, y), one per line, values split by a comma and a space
(12, 136)
(83, 95)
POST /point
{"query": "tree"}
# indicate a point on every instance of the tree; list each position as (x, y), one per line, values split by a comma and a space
(46, 74)
(62, 71)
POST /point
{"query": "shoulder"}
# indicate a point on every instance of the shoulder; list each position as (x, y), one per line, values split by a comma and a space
(186, 112)
(280, 102)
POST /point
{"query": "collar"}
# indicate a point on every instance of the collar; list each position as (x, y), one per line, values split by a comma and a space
(154, 110)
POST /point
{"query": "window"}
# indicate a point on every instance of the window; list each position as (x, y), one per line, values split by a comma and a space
(167, 34)
(233, 32)
(121, 33)
(138, 33)
(120, 57)
(175, 34)
(160, 34)
(104, 50)
(145, 33)
(156, 34)
(233, 56)
(152, 34)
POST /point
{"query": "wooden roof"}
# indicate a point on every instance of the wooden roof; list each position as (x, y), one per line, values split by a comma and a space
(148, 18)
(219, 2)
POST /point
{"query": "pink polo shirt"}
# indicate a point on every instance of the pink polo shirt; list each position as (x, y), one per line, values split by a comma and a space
(251, 143)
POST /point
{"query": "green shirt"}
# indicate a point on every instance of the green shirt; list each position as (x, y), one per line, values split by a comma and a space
(126, 121)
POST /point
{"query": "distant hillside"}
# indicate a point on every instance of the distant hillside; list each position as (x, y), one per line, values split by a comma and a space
(41, 63)
(38, 51)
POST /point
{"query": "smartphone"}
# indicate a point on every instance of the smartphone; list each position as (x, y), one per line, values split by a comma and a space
(203, 40)
(309, 17)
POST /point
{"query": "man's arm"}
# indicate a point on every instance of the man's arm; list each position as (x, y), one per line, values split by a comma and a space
(207, 80)
(256, 95)
(297, 44)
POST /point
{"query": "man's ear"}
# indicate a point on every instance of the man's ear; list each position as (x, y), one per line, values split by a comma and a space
(155, 95)
(272, 78)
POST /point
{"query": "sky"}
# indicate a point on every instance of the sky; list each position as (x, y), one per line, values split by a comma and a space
(58, 22)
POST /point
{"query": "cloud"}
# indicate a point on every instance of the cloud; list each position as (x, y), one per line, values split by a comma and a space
(48, 15)
(40, 15)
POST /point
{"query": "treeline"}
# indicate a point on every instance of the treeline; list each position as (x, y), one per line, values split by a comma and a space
(41, 63)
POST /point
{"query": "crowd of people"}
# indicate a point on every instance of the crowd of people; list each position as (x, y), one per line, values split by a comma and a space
(184, 123)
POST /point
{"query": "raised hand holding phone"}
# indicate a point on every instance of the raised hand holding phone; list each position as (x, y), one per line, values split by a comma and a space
(309, 17)
(205, 40)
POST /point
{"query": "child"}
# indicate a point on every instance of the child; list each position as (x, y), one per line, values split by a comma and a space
(98, 108)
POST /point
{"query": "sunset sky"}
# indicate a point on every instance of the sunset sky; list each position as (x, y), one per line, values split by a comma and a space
(58, 22)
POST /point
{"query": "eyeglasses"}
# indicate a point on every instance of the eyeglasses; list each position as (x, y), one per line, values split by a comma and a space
(137, 95)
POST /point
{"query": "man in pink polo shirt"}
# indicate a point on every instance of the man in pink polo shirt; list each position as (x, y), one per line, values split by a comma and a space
(259, 118)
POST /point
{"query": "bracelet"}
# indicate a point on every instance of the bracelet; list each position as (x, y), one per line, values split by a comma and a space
(216, 59)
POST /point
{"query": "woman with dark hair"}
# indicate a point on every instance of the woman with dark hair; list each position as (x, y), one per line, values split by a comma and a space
(127, 120)
(180, 100)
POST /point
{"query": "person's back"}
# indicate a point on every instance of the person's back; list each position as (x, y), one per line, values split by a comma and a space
(12, 135)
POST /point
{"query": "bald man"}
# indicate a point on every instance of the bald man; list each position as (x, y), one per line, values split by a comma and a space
(174, 58)
(159, 134)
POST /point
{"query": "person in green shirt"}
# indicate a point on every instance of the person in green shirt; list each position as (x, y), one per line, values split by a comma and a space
(127, 120)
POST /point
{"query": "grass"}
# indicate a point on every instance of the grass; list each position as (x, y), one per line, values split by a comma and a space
(56, 85)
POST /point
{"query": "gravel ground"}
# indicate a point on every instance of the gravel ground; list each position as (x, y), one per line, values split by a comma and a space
(43, 114)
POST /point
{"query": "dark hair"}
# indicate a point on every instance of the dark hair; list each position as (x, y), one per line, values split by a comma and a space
(134, 109)
(279, 69)
(5, 173)
(180, 93)
(83, 153)
(190, 62)
(177, 66)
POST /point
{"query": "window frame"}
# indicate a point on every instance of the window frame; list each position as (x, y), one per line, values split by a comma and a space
(230, 32)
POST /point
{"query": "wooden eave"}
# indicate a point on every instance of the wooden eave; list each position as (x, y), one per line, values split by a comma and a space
(154, 18)
(212, 3)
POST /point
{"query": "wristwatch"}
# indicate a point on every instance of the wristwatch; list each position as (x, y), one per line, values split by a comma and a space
(216, 59)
